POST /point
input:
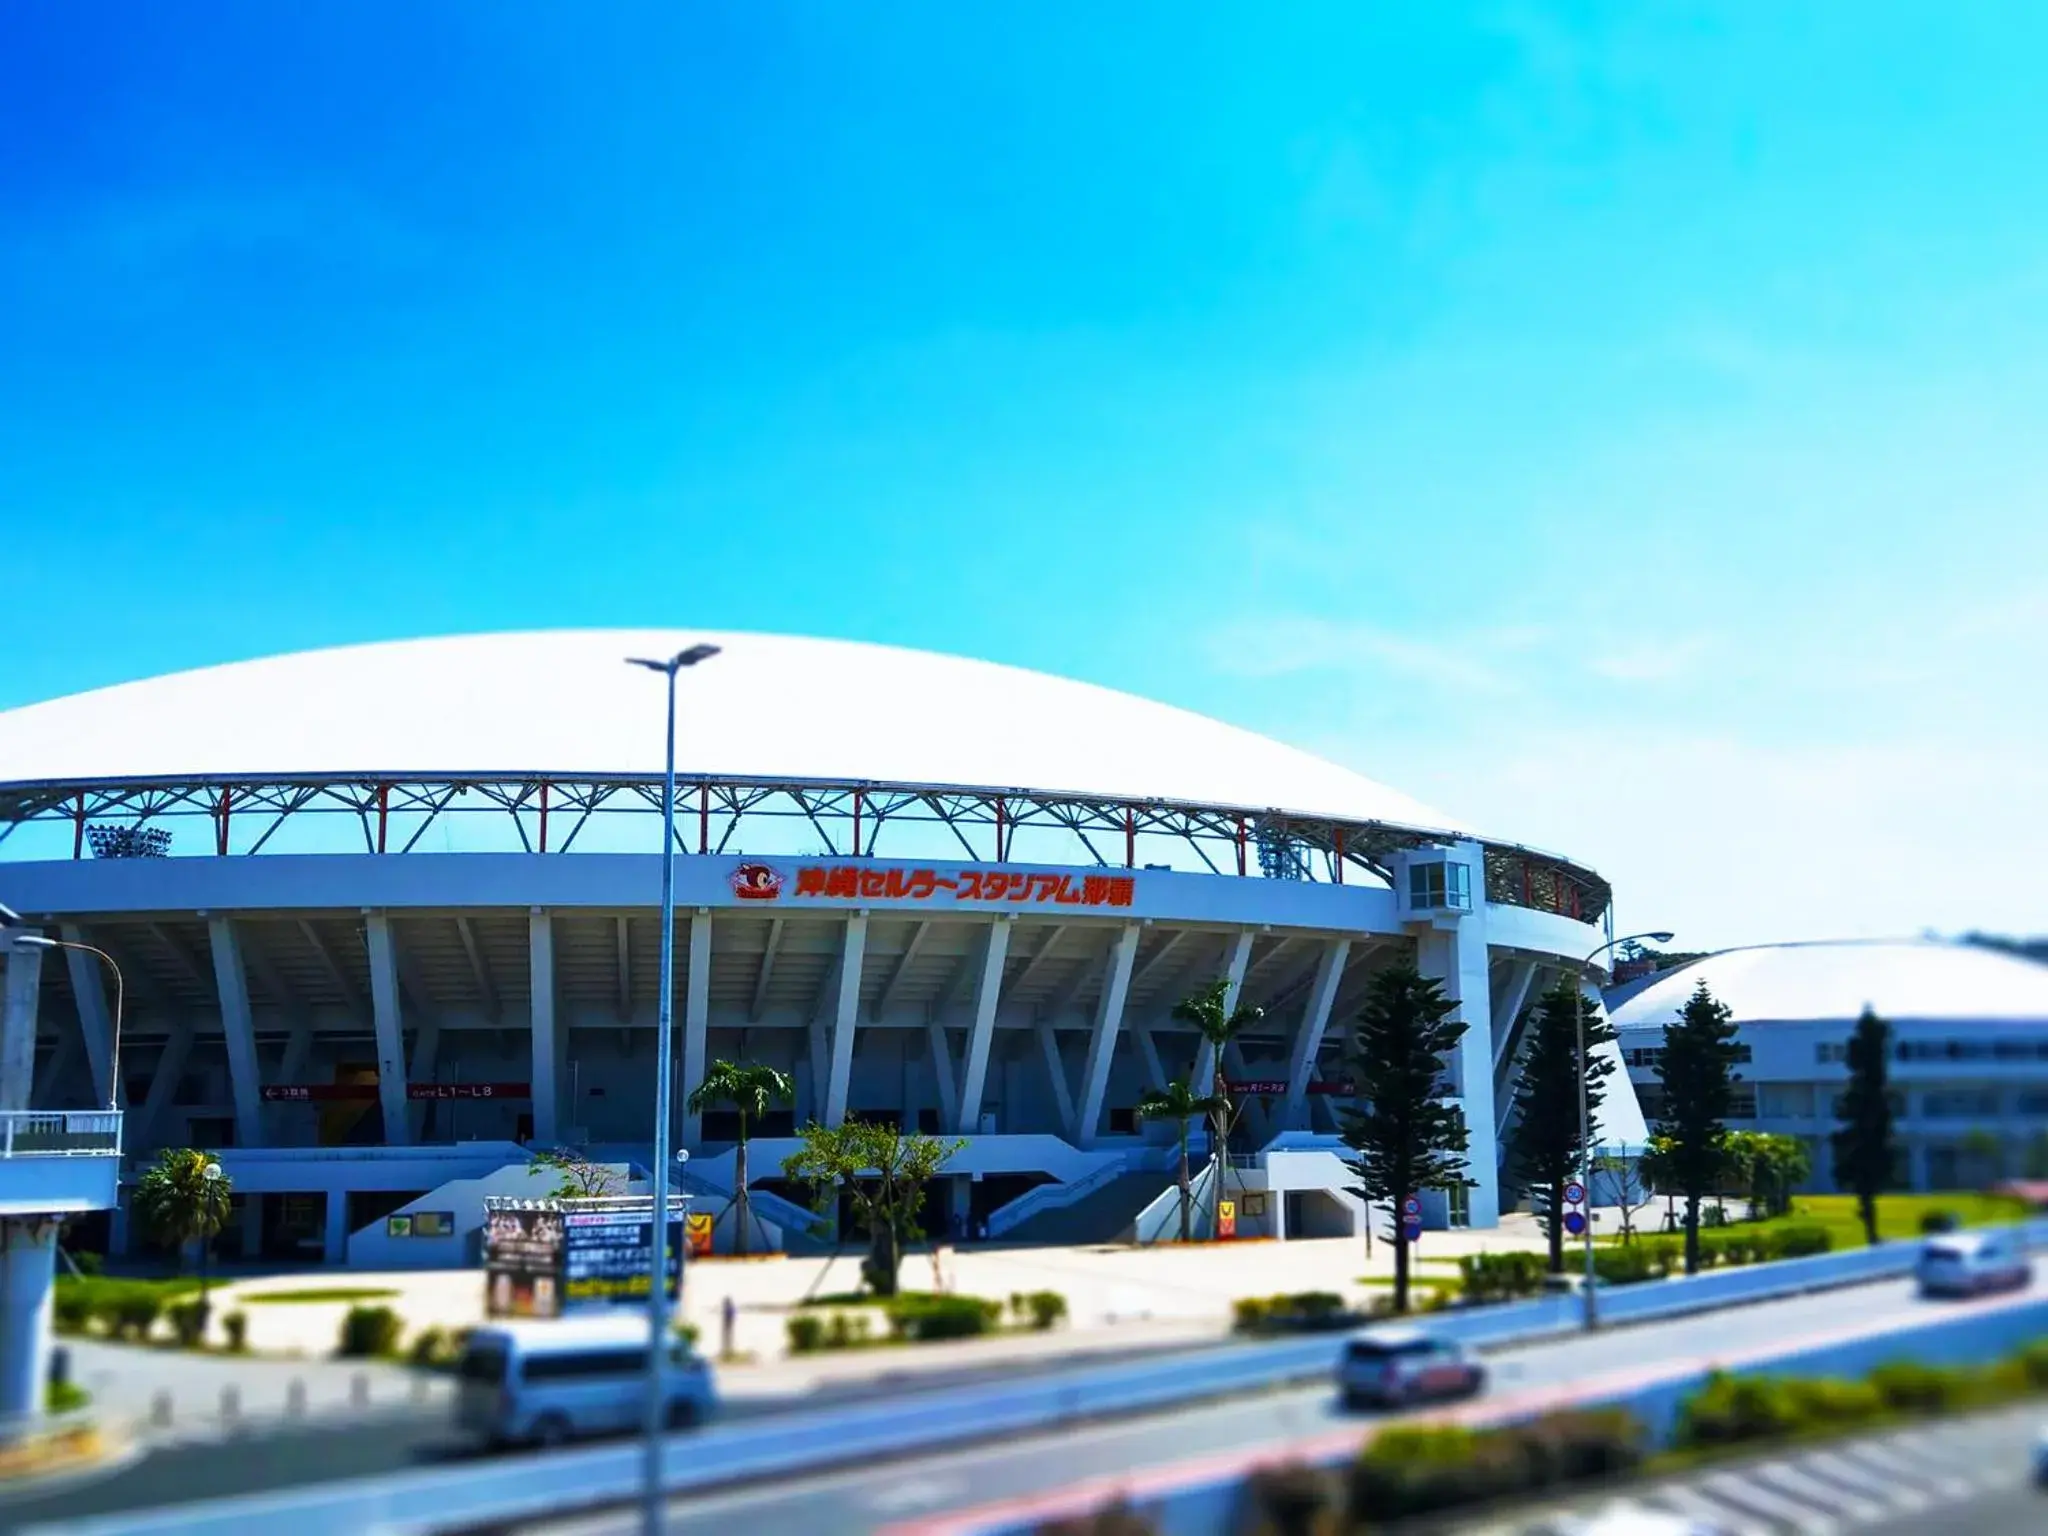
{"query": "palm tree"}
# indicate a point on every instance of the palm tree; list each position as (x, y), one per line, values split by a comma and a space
(183, 1197)
(1174, 1102)
(752, 1088)
(1204, 1009)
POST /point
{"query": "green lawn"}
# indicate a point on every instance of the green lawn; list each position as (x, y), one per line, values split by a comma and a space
(323, 1293)
(1898, 1216)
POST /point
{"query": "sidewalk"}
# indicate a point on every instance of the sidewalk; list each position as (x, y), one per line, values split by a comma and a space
(167, 1392)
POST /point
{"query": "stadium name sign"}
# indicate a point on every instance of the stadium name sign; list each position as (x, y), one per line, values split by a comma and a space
(853, 882)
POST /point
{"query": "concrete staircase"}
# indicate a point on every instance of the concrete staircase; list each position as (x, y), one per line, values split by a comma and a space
(1104, 1215)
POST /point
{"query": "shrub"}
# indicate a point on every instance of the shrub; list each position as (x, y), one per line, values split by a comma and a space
(1574, 1445)
(847, 1330)
(1039, 1307)
(91, 1265)
(65, 1397)
(1800, 1242)
(74, 1307)
(1290, 1312)
(1626, 1266)
(1834, 1403)
(188, 1322)
(1932, 1222)
(1291, 1500)
(1413, 1470)
(133, 1310)
(1730, 1410)
(1915, 1388)
(806, 1331)
(236, 1326)
(924, 1318)
(2033, 1363)
(436, 1349)
(1490, 1277)
(369, 1332)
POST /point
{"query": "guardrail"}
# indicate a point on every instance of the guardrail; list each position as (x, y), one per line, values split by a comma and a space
(789, 1444)
(1052, 1197)
(60, 1133)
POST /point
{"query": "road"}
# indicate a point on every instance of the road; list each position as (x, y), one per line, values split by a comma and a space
(1967, 1474)
(199, 1456)
(868, 1498)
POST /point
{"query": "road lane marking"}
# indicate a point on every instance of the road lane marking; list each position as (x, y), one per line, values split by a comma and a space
(1684, 1499)
(1792, 1477)
(1772, 1506)
(1886, 1485)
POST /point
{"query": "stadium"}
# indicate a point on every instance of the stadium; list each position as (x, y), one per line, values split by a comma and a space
(379, 921)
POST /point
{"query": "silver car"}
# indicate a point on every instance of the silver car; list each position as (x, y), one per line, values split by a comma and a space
(1394, 1367)
(1969, 1263)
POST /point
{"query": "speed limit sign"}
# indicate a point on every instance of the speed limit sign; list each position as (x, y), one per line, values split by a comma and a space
(1575, 1193)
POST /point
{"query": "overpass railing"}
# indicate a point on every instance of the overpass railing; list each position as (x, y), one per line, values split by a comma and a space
(60, 1133)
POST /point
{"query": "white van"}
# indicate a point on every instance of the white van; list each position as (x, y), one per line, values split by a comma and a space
(1967, 1263)
(546, 1383)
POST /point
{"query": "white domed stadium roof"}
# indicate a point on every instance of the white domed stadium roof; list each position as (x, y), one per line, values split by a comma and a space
(770, 707)
(1901, 979)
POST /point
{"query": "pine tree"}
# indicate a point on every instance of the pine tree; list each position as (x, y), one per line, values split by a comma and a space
(1545, 1150)
(1863, 1147)
(1698, 1073)
(1406, 1135)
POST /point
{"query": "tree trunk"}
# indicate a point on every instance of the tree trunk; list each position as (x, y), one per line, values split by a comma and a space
(1186, 1226)
(1400, 1264)
(1866, 1208)
(1692, 1234)
(885, 1257)
(1554, 1220)
(739, 1186)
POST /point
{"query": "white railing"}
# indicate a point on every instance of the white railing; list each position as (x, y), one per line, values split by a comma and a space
(60, 1133)
(1052, 1197)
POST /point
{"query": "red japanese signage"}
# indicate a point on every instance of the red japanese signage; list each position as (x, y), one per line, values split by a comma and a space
(361, 1093)
(854, 882)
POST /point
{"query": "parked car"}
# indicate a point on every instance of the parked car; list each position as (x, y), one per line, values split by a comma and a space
(1970, 1263)
(1393, 1367)
(545, 1383)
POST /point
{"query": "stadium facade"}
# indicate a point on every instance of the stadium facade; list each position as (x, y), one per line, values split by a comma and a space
(1969, 1067)
(385, 919)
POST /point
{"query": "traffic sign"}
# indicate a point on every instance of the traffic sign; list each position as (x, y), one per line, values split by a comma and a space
(1411, 1228)
(1574, 1222)
(1412, 1208)
(1575, 1193)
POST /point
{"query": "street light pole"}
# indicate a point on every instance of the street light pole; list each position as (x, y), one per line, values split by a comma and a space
(1587, 1291)
(40, 941)
(657, 1247)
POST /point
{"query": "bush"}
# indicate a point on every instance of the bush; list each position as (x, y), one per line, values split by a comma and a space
(1290, 1312)
(236, 1326)
(436, 1349)
(188, 1322)
(1491, 1277)
(1914, 1388)
(1291, 1500)
(847, 1330)
(1041, 1308)
(369, 1332)
(74, 1308)
(2033, 1363)
(806, 1332)
(1834, 1403)
(1627, 1266)
(65, 1397)
(1932, 1222)
(922, 1319)
(1414, 1470)
(1730, 1410)
(132, 1310)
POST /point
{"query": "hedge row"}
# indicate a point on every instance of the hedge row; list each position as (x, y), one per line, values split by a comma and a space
(1291, 1312)
(920, 1319)
(1654, 1258)
(122, 1309)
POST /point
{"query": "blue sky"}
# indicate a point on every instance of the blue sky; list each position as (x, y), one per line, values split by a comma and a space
(1624, 431)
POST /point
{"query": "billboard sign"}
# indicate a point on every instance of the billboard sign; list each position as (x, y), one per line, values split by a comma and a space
(546, 1257)
(523, 1263)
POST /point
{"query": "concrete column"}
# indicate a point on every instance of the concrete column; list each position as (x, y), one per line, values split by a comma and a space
(297, 1047)
(942, 1073)
(547, 1099)
(846, 1017)
(696, 1020)
(390, 1027)
(18, 1023)
(163, 1087)
(337, 1226)
(1056, 1069)
(1205, 1053)
(1508, 1005)
(426, 1047)
(987, 994)
(1322, 997)
(1148, 1055)
(1109, 1019)
(89, 987)
(28, 1276)
(238, 1025)
(1456, 955)
(55, 1072)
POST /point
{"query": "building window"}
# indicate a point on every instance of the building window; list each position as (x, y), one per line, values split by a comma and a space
(1742, 1104)
(1960, 1104)
(1831, 1053)
(212, 1131)
(1442, 886)
(2032, 1102)
(1122, 1122)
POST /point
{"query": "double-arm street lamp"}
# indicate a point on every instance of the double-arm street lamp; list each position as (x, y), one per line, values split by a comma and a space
(1587, 1291)
(8, 918)
(657, 1284)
